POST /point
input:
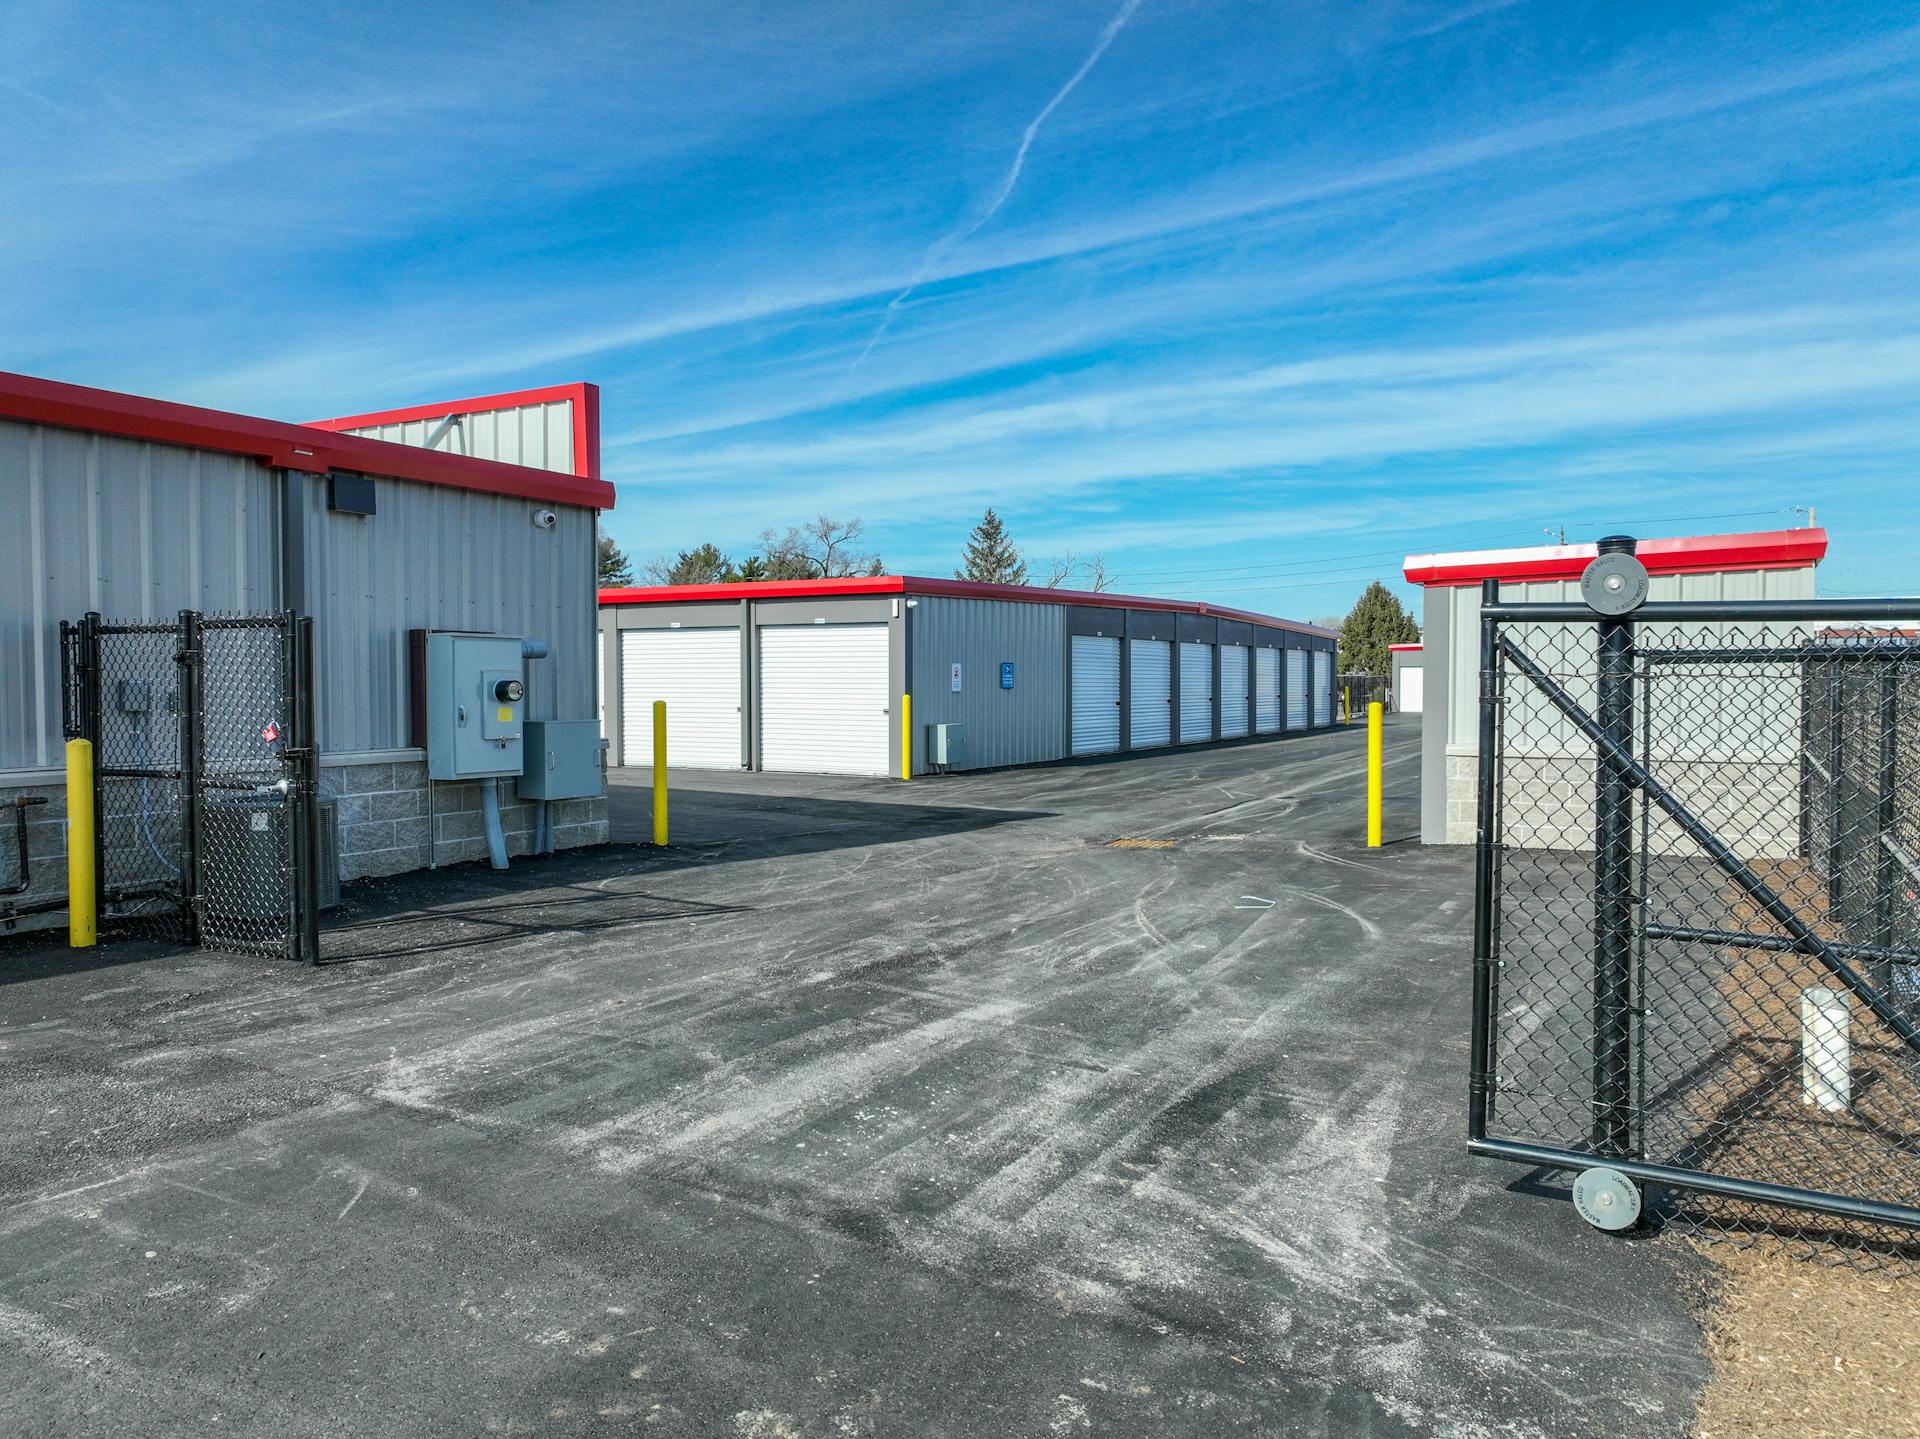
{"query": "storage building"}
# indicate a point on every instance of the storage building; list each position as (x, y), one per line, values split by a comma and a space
(133, 508)
(812, 675)
(1409, 678)
(1771, 565)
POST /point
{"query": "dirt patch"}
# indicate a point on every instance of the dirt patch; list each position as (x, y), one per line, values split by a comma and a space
(1140, 843)
(1800, 1349)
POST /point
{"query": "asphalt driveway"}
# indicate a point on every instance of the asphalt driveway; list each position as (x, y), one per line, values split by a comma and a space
(869, 1109)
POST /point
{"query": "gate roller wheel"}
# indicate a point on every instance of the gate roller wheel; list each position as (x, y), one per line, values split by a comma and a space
(1614, 584)
(1607, 1199)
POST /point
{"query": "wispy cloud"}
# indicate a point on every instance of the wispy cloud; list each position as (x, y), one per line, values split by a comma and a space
(945, 246)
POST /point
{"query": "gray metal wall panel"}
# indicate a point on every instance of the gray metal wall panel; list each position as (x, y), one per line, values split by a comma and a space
(1024, 725)
(128, 528)
(440, 558)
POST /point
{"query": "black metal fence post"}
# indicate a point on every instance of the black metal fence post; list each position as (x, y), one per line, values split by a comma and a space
(1613, 888)
(192, 770)
(1485, 895)
(305, 710)
(90, 731)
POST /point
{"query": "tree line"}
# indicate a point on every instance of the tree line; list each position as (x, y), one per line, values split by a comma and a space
(830, 549)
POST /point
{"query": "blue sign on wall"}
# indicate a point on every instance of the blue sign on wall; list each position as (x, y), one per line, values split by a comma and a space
(1006, 674)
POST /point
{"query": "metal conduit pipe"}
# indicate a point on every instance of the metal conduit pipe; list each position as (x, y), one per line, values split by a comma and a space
(490, 815)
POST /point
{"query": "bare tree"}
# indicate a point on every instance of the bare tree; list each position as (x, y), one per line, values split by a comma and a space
(1071, 571)
(826, 548)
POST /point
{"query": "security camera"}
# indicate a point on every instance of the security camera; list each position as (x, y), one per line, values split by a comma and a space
(545, 519)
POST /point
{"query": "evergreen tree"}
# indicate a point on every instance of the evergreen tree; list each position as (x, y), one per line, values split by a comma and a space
(749, 571)
(1377, 620)
(991, 558)
(615, 567)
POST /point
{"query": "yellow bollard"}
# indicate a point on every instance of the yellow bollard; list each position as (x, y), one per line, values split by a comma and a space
(1376, 785)
(906, 736)
(82, 894)
(660, 773)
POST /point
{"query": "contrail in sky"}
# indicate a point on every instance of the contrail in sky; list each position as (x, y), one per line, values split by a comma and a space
(944, 246)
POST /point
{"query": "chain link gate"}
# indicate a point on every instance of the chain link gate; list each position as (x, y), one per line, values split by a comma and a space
(205, 777)
(1697, 911)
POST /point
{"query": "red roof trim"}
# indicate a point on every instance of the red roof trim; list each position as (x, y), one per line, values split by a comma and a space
(920, 585)
(1405, 648)
(1682, 555)
(278, 443)
(585, 399)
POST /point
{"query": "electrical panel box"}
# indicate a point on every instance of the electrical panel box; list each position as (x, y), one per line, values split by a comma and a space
(563, 760)
(947, 745)
(476, 693)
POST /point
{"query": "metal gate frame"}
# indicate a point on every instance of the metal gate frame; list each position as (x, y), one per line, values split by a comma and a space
(1619, 916)
(295, 753)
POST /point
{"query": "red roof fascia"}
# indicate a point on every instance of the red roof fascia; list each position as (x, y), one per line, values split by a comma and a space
(586, 417)
(1405, 648)
(1681, 555)
(953, 589)
(276, 442)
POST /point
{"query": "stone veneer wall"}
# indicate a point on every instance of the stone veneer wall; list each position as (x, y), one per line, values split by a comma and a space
(47, 842)
(383, 818)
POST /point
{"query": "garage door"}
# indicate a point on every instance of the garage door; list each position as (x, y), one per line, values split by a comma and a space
(697, 672)
(1322, 688)
(1233, 690)
(1151, 722)
(825, 700)
(1266, 691)
(1196, 692)
(1413, 685)
(1096, 694)
(1296, 689)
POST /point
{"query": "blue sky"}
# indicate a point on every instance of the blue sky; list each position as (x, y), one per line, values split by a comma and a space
(1254, 298)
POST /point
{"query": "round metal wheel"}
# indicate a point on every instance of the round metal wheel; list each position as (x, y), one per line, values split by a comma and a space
(1607, 1199)
(1614, 584)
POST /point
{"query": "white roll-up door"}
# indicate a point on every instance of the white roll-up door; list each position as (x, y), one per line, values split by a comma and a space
(1296, 689)
(1196, 692)
(1413, 685)
(1233, 690)
(1266, 691)
(600, 680)
(697, 672)
(825, 699)
(1322, 687)
(1151, 719)
(1096, 694)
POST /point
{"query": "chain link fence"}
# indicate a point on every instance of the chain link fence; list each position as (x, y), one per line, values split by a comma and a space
(205, 778)
(1698, 938)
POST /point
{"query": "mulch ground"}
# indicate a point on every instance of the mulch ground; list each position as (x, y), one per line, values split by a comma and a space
(1804, 1349)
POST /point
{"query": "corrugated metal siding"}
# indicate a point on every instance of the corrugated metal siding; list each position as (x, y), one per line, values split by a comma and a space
(1463, 628)
(540, 436)
(1024, 725)
(438, 558)
(131, 529)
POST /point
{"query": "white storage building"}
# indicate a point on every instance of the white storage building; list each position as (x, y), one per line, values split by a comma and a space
(811, 675)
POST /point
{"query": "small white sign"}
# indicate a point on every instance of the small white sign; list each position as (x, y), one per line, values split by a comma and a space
(956, 679)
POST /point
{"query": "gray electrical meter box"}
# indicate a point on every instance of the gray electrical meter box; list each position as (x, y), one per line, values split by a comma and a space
(476, 705)
(947, 745)
(563, 760)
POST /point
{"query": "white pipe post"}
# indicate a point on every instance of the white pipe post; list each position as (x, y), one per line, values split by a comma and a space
(1826, 1079)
